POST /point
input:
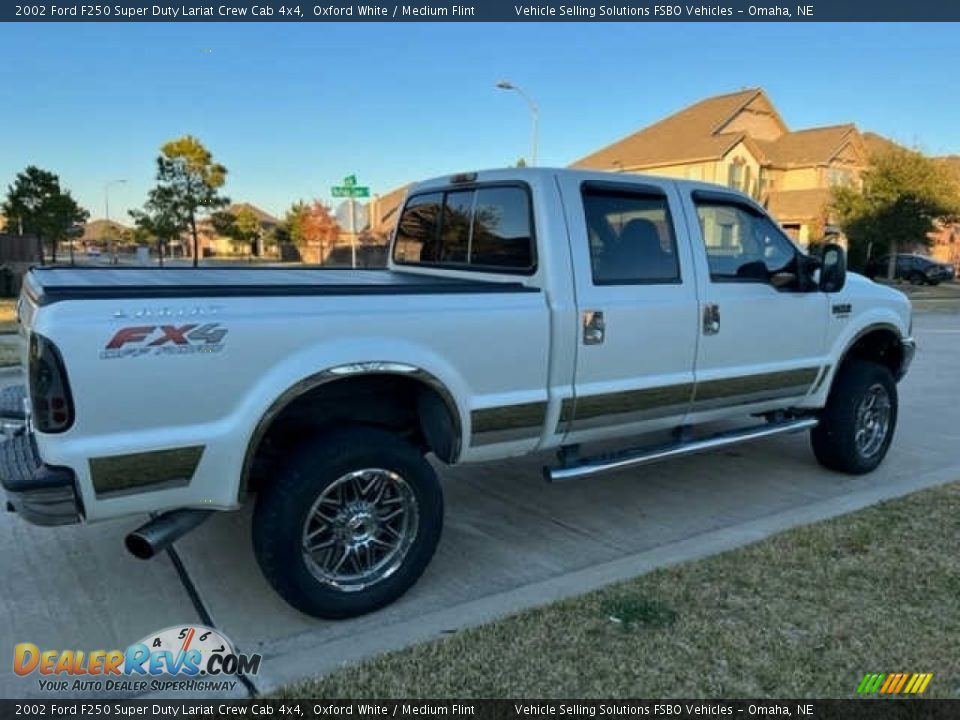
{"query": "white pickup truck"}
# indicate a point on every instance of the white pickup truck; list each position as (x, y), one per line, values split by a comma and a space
(522, 310)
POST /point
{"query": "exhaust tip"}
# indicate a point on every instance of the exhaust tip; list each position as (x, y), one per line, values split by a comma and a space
(162, 530)
(138, 546)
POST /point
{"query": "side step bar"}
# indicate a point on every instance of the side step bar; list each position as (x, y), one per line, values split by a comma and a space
(642, 456)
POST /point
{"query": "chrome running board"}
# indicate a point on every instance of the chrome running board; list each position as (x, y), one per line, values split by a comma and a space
(642, 456)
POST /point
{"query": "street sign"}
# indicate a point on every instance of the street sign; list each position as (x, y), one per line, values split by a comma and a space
(357, 219)
(350, 191)
(361, 216)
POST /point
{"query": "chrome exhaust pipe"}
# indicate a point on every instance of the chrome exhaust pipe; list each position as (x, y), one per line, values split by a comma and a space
(161, 531)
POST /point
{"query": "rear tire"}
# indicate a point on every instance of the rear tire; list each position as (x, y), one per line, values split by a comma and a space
(369, 507)
(858, 423)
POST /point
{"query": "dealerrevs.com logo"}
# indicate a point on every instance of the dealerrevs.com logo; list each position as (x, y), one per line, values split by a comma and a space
(185, 657)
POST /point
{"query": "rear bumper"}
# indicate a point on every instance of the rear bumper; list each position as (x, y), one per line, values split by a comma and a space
(908, 348)
(40, 493)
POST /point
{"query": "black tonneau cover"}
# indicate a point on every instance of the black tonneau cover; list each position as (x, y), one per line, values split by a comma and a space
(54, 284)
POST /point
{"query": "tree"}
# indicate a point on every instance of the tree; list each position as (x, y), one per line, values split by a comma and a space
(188, 180)
(293, 223)
(318, 227)
(243, 227)
(903, 194)
(37, 205)
(161, 218)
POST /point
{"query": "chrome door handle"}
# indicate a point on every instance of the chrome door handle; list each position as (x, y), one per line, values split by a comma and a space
(594, 328)
(711, 319)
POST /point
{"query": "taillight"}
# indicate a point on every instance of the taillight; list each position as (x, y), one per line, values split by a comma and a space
(50, 399)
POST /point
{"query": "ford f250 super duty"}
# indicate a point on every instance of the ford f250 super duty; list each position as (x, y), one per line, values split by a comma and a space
(522, 310)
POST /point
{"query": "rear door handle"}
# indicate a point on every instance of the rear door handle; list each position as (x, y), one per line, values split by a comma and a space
(711, 319)
(594, 327)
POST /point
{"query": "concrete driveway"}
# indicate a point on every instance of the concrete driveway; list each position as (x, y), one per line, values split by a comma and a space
(511, 541)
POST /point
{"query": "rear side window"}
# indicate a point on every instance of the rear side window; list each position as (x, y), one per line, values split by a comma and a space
(631, 237)
(483, 229)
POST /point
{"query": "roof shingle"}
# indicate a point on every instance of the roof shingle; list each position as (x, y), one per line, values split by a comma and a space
(685, 136)
(814, 146)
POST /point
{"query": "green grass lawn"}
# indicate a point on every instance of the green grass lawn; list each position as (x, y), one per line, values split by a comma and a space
(804, 614)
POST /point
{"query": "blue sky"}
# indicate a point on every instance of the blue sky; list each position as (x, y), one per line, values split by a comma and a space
(291, 109)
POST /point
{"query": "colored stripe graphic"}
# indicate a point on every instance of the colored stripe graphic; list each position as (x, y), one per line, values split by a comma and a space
(894, 683)
(870, 683)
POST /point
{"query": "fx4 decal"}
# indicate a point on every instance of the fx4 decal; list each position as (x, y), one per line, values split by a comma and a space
(137, 340)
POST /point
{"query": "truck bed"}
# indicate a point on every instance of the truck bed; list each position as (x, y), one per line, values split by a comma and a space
(47, 285)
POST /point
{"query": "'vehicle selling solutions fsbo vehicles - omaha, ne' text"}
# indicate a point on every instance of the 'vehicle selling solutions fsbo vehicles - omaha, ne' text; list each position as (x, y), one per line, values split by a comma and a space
(521, 310)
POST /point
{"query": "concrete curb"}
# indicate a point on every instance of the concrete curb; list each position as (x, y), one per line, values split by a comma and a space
(281, 667)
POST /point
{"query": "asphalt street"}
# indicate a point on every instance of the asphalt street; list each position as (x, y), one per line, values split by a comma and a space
(511, 541)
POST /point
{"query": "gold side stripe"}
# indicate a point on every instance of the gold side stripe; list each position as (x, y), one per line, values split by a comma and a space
(143, 472)
(651, 403)
(750, 384)
(633, 401)
(513, 422)
(507, 423)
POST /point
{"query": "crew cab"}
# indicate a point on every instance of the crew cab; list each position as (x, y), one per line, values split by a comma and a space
(521, 310)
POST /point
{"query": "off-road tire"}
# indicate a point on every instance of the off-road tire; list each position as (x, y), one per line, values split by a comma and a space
(834, 439)
(286, 500)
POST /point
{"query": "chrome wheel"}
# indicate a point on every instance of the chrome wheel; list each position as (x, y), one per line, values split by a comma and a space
(359, 530)
(872, 421)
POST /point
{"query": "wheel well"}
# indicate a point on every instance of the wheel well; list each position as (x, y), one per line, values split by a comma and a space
(408, 406)
(880, 345)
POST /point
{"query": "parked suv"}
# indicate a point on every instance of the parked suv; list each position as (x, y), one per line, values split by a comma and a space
(917, 269)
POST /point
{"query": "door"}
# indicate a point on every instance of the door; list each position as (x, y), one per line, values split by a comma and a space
(637, 310)
(762, 336)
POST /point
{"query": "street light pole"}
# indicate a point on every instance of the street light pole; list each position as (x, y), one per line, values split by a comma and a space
(106, 214)
(534, 114)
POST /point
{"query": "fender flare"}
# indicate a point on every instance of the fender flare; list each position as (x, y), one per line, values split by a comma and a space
(340, 372)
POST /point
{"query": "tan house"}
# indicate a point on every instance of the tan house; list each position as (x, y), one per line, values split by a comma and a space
(212, 243)
(740, 140)
(384, 209)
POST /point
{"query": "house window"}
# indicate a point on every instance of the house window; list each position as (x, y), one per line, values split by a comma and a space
(735, 175)
(837, 177)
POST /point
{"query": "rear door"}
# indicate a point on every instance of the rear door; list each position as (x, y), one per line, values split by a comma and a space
(762, 337)
(637, 309)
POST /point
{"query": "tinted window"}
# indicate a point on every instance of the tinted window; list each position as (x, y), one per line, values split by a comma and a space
(482, 228)
(455, 227)
(501, 229)
(631, 238)
(417, 231)
(742, 245)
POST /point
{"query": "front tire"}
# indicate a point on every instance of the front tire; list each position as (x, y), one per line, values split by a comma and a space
(349, 523)
(857, 425)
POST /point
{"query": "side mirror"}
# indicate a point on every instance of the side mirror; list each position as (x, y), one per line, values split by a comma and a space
(833, 268)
